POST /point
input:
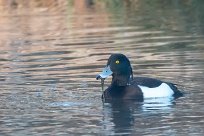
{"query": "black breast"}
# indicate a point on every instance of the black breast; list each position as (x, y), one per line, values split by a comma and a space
(130, 92)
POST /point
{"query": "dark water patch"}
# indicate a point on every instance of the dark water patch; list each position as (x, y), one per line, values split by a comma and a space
(33, 66)
(97, 54)
(47, 53)
(85, 43)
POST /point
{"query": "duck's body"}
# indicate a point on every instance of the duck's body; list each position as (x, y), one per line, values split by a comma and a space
(141, 88)
(124, 86)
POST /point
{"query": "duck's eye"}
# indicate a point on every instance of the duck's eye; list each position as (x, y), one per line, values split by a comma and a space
(117, 61)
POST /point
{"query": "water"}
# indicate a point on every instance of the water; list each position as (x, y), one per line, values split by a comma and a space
(51, 51)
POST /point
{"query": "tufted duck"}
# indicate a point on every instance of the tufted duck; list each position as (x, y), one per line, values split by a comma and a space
(124, 86)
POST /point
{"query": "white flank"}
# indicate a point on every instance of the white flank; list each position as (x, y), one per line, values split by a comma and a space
(161, 91)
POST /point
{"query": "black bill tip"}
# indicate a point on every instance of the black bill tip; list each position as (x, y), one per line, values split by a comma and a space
(98, 77)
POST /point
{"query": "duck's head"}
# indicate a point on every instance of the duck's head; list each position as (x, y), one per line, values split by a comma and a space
(119, 67)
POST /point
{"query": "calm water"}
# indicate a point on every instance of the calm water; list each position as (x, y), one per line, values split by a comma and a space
(50, 52)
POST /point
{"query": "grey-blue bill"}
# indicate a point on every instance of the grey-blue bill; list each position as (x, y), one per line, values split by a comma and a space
(103, 75)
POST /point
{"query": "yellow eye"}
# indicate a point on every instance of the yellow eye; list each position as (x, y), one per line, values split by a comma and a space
(117, 61)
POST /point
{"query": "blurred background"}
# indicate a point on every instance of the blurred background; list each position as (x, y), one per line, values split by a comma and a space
(51, 50)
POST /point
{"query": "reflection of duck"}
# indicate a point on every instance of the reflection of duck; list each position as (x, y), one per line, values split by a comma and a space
(124, 86)
(125, 117)
(120, 115)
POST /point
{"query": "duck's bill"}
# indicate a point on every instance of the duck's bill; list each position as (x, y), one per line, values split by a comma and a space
(105, 73)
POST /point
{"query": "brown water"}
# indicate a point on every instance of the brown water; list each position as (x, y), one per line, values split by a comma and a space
(50, 52)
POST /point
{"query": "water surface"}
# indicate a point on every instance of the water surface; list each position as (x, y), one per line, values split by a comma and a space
(51, 51)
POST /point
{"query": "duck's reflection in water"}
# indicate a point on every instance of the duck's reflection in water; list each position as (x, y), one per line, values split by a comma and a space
(123, 116)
